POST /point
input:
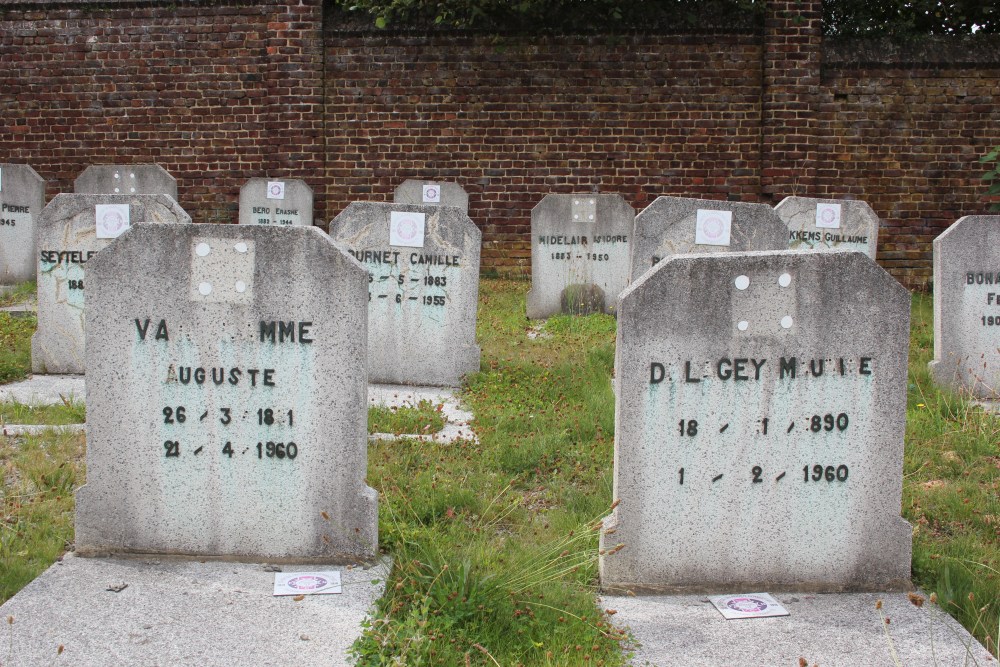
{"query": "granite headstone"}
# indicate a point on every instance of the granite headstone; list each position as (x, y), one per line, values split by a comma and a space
(822, 224)
(279, 202)
(227, 397)
(126, 179)
(432, 193)
(22, 198)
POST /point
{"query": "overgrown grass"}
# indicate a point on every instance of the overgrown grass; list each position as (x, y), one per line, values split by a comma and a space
(18, 294)
(15, 347)
(424, 418)
(67, 412)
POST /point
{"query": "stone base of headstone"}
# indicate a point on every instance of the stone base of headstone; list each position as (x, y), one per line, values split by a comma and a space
(582, 300)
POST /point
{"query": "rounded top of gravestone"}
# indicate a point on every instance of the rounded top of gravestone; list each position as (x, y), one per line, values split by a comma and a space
(363, 217)
(148, 207)
(277, 201)
(29, 177)
(973, 231)
(126, 179)
(815, 223)
(432, 193)
(581, 207)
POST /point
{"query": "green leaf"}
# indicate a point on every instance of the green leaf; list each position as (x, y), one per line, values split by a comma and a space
(380, 22)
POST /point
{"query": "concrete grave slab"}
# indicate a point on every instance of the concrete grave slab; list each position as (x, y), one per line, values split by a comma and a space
(580, 248)
(178, 612)
(423, 272)
(826, 224)
(431, 193)
(69, 234)
(759, 423)
(125, 179)
(226, 397)
(22, 198)
(967, 308)
(274, 201)
(680, 225)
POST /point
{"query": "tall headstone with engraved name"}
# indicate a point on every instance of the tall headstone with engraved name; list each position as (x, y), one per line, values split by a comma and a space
(579, 253)
(71, 230)
(128, 179)
(759, 418)
(967, 307)
(226, 397)
(283, 203)
(680, 225)
(423, 290)
(22, 198)
(431, 193)
(824, 224)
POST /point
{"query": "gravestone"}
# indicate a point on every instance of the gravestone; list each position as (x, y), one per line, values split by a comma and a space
(423, 290)
(227, 397)
(822, 224)
(125, 179)
(579, 253)
(679, 225)
(967, 307)
(277, 202)
(759, 419)
(22, 198)
(432, 193)
(71, 231)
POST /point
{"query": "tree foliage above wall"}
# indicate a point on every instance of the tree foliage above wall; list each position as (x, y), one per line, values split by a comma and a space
(857, 18)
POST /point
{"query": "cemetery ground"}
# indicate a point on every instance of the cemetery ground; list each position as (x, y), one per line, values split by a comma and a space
(494, 542)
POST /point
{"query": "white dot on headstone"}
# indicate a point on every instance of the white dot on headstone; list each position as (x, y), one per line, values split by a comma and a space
(202, 249)
(133, 175)
(241, 247)
(591, 216)
(576, 201)
(133, 189)
(576, 217)
(592, 202)
(786, 322)
(117, 175)
(205, 289)
(117, 190)
(785, 280)
(742, 282)
(241, 286)
(742, 325)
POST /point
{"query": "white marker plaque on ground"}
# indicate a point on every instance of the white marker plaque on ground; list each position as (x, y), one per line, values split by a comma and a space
(226, 397)
(287, 203)
(759, 420)
(326, 582)
(22, 198)
(748, 605)
(826, 224)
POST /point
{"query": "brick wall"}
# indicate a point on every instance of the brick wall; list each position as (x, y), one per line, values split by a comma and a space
(220, 92)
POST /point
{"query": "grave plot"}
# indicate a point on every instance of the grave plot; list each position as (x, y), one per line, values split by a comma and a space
(431, 193)
(22, 198)
(423, 290)
(759, 424)
(71, 231)
(827, 224)
(283, 203)
(678, 225)
(579, 253)
(967, 307)
(126, 179)
(226, 397)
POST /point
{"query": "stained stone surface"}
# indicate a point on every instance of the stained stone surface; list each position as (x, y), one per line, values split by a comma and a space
(824, 224)
(579, 248)
(226, 397)
(125, 179)
(67, 240)
(423, 272)
(967, 307)
(431, 193)
(274, 201)
(759, 424)
(680, 225)
(22, 198)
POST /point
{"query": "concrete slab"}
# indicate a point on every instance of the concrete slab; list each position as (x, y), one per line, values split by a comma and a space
(45, 390)
(836, 629)
(176, 612)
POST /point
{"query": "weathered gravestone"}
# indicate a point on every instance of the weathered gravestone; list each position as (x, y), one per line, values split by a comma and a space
(967, 307)
(821, 224)
(22, 198)
(226, 397)
(423, 273)
(71, 230)
(759, 423)
(579, 253)
(432, 193)
(282, 203)
(127, 179)
(679, 225)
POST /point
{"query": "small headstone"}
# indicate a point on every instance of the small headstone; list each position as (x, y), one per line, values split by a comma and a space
(679, 225)
(579, 248)
(126, 179)
(22, 198)
(226, 397)
(760, 413)
(967, 307)
(273, 201)
(823, 224)
(432, 193)
(71, 230)
(423, 290)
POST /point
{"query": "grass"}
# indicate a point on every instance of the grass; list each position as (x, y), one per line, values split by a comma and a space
(67, 412)
(425, 417)
(18, 294)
